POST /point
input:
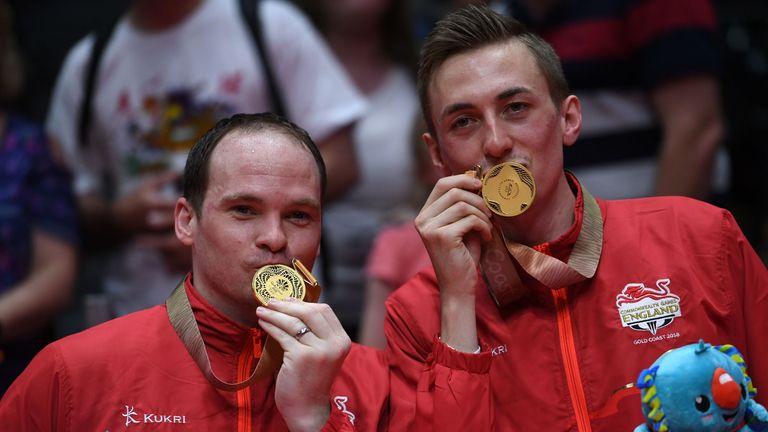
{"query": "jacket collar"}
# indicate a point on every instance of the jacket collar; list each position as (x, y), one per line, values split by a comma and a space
(561, 247)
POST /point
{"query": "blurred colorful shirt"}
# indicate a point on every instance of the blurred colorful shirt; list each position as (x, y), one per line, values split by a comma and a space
(35, 193)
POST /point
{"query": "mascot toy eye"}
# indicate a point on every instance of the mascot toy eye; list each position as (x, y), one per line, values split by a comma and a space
(700, 387)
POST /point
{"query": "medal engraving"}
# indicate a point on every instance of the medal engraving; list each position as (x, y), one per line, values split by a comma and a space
(508, 189)
(277, 282)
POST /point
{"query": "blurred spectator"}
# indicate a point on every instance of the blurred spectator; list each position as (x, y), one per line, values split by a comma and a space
(398, 252)
(744, 25)
(168, 71)
(372, 40)
(646, 74)
(38, 236)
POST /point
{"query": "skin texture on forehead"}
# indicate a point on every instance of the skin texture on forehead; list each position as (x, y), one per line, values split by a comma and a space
(264, 149)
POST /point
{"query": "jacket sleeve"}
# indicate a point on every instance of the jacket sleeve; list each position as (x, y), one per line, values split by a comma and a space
(433, 387)
(745, 273)
(40, 398)
(361, 390)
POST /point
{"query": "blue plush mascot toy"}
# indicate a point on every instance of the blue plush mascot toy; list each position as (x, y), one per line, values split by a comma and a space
(700, 387)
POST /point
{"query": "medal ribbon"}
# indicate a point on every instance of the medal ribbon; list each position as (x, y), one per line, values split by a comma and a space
(184, 323)
(501, 274)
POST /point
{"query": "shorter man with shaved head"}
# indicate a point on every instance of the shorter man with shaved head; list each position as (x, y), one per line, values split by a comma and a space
(234, 347)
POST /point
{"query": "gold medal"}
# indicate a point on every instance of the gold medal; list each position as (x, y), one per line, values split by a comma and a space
(278, 282)
(508, 188)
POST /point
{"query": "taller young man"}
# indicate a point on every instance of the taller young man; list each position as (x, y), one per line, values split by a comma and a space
(531, 320)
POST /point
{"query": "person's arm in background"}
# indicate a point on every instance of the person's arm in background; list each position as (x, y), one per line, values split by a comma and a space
(49, 210)
(146, 210)
(676, 47)
(689, 110)
(29, 305)
(144, 215)
(385, 264)
(340, 160)
(372, 326)
(61, 129)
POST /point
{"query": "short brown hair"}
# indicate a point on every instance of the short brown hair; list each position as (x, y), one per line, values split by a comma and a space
(195, 180)
(475, 27)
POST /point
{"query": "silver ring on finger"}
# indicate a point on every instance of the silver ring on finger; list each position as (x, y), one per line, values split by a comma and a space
(302, 331)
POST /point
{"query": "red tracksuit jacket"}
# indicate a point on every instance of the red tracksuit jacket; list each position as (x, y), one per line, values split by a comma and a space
(134, 373)
(553, 360)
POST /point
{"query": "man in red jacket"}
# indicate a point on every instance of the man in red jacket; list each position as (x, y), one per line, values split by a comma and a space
(206, 360)
(542, 301)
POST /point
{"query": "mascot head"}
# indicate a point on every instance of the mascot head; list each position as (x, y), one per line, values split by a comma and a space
(698, 387)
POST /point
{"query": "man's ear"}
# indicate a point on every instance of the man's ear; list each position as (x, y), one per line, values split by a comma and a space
(434, 153)
(185, 221)
(570, 116)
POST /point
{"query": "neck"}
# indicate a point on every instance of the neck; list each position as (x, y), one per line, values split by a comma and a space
(159, 15)
(544, 223)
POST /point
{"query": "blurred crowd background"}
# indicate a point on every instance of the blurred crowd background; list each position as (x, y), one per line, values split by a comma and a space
(358, 270)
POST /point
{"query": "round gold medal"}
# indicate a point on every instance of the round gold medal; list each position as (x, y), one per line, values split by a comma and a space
(508, 189)
(277, 282)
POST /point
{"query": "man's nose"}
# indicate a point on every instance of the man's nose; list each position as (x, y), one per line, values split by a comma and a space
(271, 234)
(496, 143)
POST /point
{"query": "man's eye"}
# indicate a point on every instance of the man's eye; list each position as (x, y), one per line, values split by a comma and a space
(244, 210)
(461, 122)
(515, 107)
(300, 216)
